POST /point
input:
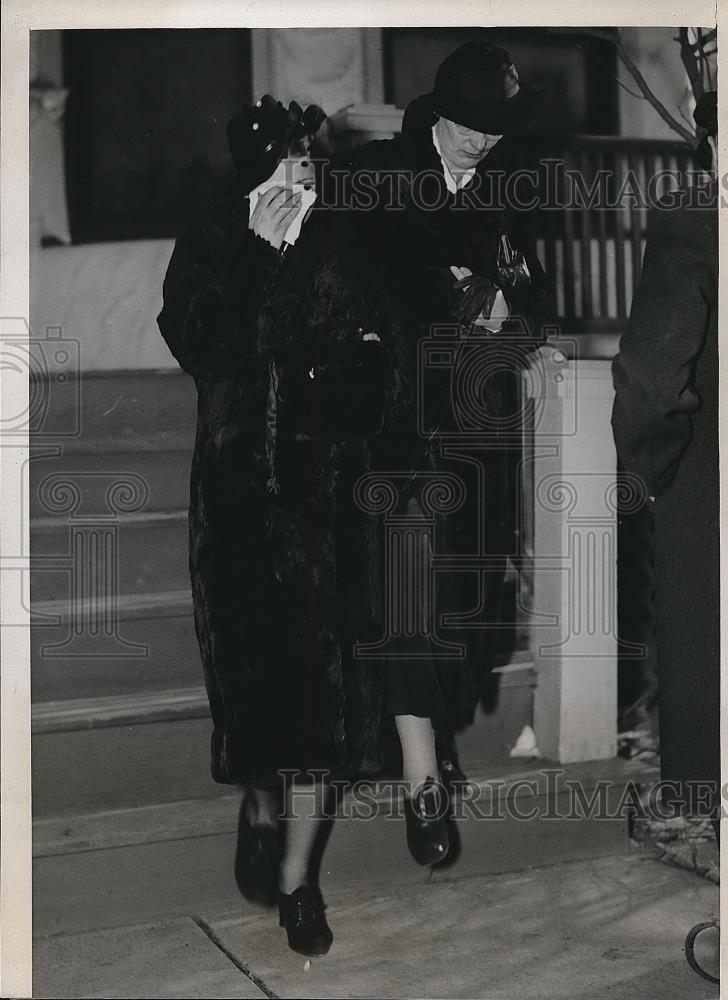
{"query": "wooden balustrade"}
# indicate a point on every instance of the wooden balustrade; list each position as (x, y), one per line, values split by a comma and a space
(592, 197)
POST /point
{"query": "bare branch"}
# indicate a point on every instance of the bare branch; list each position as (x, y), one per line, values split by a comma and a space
(614, 37)
(656, 103)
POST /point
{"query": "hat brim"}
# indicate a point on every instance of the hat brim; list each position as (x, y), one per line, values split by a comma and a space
(496, 118)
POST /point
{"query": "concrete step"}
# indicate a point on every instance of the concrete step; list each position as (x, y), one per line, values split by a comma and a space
(152, 648)
(121, 410)
(136, 553)
(155, 480)
(148, 747)
(96, 768)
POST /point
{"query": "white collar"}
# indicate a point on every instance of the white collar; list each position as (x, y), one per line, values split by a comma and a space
(452, 184)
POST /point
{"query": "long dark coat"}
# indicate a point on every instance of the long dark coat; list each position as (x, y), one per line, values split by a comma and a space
(403, 211)
(284, 585)
(665, 422)
(279, 581)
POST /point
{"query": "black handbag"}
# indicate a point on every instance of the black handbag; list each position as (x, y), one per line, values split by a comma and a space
(513, 273)
(330, 391)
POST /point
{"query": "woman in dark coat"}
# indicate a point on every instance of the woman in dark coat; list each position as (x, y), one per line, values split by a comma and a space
(665, 422)
(288, 566)
(279, 553)
(431, 204)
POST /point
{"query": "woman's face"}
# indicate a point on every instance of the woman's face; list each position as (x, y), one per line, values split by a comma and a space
(463, 147)
(298, 170)
(298, 165)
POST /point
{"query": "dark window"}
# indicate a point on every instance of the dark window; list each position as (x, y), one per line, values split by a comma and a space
(578, 74)
(145, 126)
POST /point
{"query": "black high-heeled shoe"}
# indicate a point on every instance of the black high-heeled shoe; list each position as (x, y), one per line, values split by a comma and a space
(302, 915)
(257, 857)
(426, 814)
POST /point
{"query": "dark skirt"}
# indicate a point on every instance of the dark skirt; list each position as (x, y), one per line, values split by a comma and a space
(413, 686)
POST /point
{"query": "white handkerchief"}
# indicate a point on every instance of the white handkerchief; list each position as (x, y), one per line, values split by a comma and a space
(279, 178)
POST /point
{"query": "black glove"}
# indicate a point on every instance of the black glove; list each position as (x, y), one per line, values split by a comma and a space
(477, 295)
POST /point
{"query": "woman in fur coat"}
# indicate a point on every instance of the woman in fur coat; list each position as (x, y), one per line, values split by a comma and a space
(288, 565)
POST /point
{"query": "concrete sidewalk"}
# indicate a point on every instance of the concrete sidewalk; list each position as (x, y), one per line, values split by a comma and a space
(612, 927)
(142, 903)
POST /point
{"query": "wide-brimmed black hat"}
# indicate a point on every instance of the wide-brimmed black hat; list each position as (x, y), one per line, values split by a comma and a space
(477, 86)
(259, 136)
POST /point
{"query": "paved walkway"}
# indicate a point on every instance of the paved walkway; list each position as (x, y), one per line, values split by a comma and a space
(142, 903)
(611, 927)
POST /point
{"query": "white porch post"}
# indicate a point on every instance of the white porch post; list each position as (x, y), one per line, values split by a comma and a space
(574, 628)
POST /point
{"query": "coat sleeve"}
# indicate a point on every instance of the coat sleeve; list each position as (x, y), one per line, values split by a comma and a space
(211, 294)
(653, 372)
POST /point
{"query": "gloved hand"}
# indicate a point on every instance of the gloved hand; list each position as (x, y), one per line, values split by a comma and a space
(480, 301)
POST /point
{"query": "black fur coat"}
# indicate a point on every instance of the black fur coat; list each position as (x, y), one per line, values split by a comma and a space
(284, 584)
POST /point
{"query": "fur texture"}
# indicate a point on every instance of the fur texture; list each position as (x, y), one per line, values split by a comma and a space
(285, 584)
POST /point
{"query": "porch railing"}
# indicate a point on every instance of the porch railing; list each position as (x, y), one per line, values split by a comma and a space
(594, 194)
